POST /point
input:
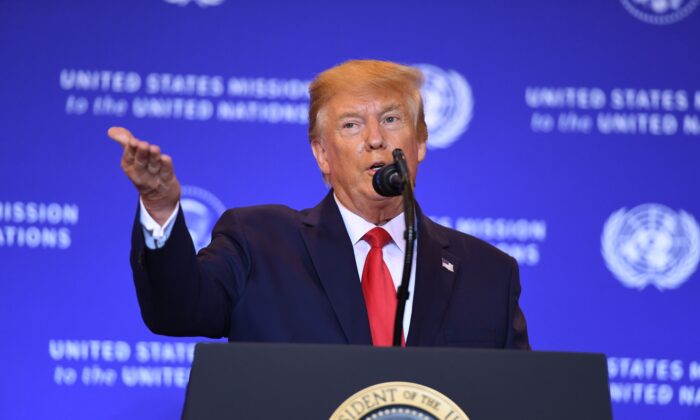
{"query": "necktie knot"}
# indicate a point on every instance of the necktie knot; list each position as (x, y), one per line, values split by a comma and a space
(377, 237)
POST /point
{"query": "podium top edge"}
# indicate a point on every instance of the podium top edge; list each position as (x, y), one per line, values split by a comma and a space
(361, 348)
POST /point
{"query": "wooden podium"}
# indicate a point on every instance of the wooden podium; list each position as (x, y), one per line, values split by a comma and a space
(296, 381)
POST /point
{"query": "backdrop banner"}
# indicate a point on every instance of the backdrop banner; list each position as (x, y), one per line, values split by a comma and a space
(568, 135)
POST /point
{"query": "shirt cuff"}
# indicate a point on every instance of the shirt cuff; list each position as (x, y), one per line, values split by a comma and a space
(154, 234)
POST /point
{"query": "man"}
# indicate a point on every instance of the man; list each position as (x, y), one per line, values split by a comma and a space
(326, 274)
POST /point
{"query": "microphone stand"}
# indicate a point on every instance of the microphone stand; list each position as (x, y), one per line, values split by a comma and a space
(409, 211)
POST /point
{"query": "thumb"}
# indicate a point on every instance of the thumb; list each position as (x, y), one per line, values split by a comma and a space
(120, 134)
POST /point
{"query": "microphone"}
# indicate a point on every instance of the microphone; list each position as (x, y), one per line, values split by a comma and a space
(389, 181)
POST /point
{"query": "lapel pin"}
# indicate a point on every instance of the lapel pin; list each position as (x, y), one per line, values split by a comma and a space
(448, 266)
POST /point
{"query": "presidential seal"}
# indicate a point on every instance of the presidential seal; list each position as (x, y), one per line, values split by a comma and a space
(651, 244)
(448, 104)
(201, 209)
(400, 401)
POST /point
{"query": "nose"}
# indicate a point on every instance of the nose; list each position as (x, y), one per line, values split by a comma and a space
(375, 137)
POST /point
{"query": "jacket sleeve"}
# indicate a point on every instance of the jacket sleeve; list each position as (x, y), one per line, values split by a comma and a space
(181, 293)
(517, 327)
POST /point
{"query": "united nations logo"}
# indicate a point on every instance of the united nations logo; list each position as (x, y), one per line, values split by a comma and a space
(651, 244)
(201, 209)
(448, 104)
(200, 3)
(398, 400)
(660, 12)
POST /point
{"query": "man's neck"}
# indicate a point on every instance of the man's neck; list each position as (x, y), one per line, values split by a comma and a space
(376, 212)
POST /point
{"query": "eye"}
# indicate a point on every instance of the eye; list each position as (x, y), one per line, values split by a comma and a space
(391, 119)
(350, 127)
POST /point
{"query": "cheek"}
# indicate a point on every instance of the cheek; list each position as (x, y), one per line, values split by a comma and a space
(359, 148)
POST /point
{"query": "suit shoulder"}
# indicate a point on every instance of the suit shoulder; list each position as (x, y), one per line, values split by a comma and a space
(262, 210)
(260, 215)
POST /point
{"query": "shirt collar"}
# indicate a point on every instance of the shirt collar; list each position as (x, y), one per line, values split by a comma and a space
(357, 227)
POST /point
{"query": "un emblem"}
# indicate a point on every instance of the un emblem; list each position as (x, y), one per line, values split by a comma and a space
(660, 12)
(448, 104)
(201, 209)
(651, 244)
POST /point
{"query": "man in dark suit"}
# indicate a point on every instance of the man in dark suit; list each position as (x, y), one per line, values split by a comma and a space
(325, 274)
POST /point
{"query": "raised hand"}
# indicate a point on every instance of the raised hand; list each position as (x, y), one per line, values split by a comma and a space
(151, 172)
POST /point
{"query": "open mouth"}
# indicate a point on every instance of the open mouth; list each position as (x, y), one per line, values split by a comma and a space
(376, 166)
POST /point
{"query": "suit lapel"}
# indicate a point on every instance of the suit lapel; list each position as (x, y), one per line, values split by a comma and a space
(434, 283)
(329, 246)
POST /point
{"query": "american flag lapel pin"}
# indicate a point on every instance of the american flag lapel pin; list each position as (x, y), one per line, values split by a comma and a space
(448, 266)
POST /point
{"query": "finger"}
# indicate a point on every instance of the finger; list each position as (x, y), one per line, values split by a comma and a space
(166, 167)
(154, 164)
(142, 154)
(153, 159)
(129, 151)
(153, 167)
(154, 152)
(127, 140)
(120, 134)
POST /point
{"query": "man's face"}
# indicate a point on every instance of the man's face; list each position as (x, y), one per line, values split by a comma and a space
(358, 134)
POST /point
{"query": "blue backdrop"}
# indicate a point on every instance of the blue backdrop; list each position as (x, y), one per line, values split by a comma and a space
(566, 134)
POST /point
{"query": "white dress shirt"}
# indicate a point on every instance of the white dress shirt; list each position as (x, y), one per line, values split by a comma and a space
(156, 235)
(393, 252)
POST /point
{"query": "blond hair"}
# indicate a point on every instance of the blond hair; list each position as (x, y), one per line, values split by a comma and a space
(362, 76)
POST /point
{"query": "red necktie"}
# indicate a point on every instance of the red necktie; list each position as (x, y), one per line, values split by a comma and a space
(378, 289)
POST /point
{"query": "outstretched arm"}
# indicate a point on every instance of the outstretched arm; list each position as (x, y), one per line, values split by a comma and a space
(178, 294)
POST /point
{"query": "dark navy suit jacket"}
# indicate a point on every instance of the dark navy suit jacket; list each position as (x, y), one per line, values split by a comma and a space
(273, 274)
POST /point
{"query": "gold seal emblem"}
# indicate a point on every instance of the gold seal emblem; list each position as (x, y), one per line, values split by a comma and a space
(398, 400)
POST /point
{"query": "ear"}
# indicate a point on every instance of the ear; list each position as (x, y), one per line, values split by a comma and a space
(320, 155)
(422, 145)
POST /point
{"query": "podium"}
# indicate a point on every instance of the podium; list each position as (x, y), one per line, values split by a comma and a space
(297, 381)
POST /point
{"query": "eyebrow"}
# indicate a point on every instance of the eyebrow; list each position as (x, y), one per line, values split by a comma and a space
(388, 108)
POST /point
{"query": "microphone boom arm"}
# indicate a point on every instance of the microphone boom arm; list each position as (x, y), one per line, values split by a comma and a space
(409, 207)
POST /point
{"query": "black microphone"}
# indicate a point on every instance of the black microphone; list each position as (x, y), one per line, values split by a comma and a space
(388, 181)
